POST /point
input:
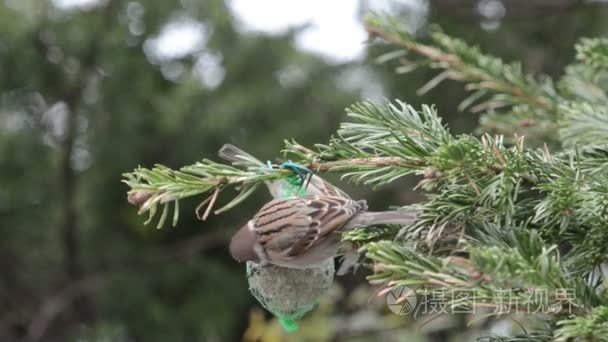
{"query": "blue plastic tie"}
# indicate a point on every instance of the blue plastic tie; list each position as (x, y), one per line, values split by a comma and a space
(303, 173)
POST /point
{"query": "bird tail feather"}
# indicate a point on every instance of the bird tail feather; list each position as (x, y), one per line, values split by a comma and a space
(371, 218)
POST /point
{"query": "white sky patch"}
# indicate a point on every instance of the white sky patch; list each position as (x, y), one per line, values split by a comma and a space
(177, 39)
(76, 4)
(335, 30)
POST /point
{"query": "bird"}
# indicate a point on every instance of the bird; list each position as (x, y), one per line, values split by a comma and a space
(303, 232)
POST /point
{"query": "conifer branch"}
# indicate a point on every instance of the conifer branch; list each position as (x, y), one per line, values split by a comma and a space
(465, 63)
(499, 216)
(593, 52)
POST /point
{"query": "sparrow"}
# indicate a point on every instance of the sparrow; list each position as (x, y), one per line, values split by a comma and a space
(303, 232)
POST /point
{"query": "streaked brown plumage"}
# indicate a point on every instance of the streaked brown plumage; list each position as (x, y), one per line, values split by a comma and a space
(302, 232)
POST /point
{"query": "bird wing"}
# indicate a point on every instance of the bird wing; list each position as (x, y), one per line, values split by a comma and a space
(291, 227)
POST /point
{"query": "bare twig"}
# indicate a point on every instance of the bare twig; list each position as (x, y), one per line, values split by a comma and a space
(52, 307)
(55, 305)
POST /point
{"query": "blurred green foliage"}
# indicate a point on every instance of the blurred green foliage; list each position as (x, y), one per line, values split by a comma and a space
(84, 98)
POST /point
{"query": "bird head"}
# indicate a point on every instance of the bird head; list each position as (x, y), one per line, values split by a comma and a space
(242, 245)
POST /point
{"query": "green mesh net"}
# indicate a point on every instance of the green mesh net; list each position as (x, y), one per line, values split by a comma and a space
(289, 293)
